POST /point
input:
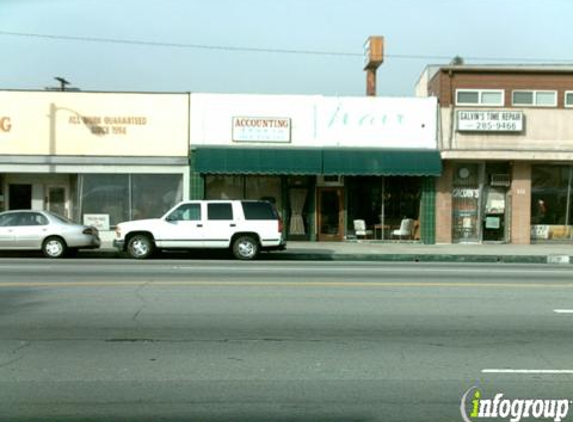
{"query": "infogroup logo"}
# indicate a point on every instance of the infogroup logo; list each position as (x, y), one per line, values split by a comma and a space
(474, 407)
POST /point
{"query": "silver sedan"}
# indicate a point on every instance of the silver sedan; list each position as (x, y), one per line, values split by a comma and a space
(51, 233)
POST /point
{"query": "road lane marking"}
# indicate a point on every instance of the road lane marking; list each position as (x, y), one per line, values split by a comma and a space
(325, 283)
(529, 371)
(563, 311)
(263, 267)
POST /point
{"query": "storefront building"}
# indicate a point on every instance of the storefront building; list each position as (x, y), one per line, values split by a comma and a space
(98, 158)
(323, 161)
(506, 141)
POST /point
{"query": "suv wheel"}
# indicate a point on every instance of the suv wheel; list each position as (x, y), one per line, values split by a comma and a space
(140, 246)
(245, 248)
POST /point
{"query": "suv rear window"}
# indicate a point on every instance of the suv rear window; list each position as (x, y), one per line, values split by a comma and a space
(259, 211)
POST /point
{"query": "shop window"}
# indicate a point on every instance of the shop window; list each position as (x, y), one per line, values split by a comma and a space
(526, 98)
(364, 201)
(480, 97)
(125, 196)
(154, 194)
(382, 202)
(224, 187)
(552, 203)
(266, 188)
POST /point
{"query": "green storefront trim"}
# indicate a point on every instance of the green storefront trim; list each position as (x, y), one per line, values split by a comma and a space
(270, 161)
(381, 162)
(316, 161)
(428, 211)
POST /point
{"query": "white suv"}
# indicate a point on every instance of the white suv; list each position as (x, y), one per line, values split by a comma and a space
(245, 227)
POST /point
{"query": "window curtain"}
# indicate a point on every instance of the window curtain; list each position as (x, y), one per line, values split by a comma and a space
(297, 201)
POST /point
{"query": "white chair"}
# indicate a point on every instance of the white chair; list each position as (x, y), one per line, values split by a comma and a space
(405, 230)
(360, 229)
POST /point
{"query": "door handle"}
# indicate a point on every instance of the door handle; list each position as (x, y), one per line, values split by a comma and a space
(232, 225)
(199, 225)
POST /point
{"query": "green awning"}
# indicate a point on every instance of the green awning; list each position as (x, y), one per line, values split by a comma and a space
(378, 162)
(315, 161)
(237, 160)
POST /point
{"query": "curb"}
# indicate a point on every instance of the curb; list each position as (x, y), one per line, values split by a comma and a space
(369, 257)
(522, 259)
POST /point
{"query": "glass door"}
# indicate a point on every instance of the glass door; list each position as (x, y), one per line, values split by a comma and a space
(466, 204)
(57, 198)
(330, 214)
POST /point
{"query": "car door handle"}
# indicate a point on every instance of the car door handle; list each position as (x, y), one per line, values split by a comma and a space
(199, 225)
(232, 225)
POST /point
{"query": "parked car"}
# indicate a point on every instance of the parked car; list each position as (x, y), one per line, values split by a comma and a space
(244, 227)
(45, 231)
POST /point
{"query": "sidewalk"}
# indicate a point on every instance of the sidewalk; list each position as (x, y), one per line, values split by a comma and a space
(404, 251)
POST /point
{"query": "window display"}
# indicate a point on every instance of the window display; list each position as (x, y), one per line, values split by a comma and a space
(128, 196)
(552, 203)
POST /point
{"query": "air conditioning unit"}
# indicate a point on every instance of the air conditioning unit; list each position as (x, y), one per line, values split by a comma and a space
(330, 181)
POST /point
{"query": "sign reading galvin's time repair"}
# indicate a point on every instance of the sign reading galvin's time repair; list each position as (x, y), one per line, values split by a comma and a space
(261, 129)
(490, 121)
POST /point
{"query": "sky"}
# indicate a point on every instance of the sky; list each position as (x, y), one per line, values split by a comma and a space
(267, 46)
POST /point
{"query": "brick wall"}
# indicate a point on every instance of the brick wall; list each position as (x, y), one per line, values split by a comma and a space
(521, 203)
(444, 204)
(444, 85)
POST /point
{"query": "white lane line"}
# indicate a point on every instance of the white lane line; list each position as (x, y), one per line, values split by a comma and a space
(528, 371)
(563, 311)
(381, 269)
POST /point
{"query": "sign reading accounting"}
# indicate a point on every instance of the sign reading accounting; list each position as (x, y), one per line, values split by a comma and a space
(261, 129)
(490, 121)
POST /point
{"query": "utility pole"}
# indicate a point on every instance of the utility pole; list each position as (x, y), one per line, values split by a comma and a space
(373, 58)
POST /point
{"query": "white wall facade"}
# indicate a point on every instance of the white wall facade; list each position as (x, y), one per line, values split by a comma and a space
(316, 121)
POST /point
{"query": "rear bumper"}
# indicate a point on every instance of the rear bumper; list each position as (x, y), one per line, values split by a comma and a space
(281, 246)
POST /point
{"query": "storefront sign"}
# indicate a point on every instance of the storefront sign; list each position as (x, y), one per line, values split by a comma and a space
(465, 193)
(99, 221)
(377, 122)
(539, 231)
(261, 129)
(492, 222)
(313, 121)
(108, 125)
(5, 124)
(94, 124)
(490, 121)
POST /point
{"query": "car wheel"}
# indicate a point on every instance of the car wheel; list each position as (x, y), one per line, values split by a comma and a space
(245, 248)
(140, 246)
(54, 247)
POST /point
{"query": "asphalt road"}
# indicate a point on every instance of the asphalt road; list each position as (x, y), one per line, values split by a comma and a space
(172, 340)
